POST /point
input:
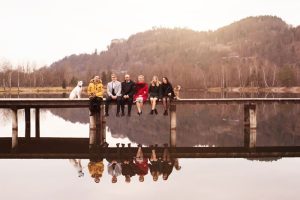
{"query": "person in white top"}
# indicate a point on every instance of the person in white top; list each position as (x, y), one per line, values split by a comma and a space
(113, 91)
(114, 169)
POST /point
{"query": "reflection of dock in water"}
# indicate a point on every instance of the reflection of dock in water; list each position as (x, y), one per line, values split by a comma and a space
(60, 148)
(40, 147)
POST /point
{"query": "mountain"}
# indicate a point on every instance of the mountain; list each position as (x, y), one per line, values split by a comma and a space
(260, 51)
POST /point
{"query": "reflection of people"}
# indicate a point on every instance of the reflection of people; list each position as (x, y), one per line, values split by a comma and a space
(167, 94)
(95, 92)
(167, 164)
(141, 93)
(77, 165)
(141, 164)
(155, 165)
(128, 90)
(96, 169)
(114, 169)
(113, 91)
(128, 167)
(154, 94)
(176, 164)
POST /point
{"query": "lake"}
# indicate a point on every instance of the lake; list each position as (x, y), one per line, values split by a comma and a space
(197, 125)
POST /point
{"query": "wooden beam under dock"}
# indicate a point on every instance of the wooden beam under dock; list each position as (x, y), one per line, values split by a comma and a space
(63, 148)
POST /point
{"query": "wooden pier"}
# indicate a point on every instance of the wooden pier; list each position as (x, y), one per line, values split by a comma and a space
(97, 136)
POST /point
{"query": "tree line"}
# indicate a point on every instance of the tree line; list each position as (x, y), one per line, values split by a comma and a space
(259, 51)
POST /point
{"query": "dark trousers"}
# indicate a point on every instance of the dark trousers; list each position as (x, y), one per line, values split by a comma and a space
(129, 102)
(109, 100)
(95, 104)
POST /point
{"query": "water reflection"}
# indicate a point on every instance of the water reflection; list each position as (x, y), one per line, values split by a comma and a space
(76, 163)
(204, 125)
(128, 164)
(198, 125)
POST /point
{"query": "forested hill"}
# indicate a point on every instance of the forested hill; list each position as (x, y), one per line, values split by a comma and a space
(259, 51)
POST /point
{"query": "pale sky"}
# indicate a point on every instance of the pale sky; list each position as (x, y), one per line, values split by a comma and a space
(46, 31)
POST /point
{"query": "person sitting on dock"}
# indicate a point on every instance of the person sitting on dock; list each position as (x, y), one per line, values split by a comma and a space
(141, 93)
(95, 92)
(96, 169)
(167, 94)
(128, 90)
(154, 94)
(113, 91)
(141, 164)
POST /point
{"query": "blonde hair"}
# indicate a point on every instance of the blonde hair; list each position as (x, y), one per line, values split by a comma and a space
(157, 81)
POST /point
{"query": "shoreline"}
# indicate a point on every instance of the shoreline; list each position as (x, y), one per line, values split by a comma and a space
(41, 90)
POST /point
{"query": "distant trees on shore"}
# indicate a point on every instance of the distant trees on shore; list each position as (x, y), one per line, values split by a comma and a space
(254, 52)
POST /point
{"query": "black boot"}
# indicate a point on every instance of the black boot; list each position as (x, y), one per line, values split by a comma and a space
(155, 110)
(151, 112)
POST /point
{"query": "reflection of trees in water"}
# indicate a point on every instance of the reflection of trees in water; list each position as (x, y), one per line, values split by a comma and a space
(73, 115)
(219, 125)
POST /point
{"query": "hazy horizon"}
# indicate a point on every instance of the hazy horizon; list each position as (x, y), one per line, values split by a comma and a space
(44, 32)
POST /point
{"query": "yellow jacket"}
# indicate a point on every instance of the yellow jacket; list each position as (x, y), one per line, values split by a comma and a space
(95, 88)
(96, 168)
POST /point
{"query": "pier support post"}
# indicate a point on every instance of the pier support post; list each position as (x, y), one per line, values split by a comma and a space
(37, 123)
(250, 125)
(173, 123)
(14, 142)
(103, 125)
(27, 123)
(92, 134)
(98, 119)
(96, 128)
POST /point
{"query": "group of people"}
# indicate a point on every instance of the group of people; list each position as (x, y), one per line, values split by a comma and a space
(129, 92)
(128, 165)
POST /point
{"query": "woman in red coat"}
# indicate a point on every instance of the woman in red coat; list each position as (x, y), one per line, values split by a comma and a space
(141, 93)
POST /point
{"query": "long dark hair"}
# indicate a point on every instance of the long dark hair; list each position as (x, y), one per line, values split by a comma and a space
(168, 82)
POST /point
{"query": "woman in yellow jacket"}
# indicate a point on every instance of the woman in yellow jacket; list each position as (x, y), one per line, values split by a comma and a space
(95, 92)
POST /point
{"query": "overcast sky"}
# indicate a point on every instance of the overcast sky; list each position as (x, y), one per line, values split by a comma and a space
(45, 31)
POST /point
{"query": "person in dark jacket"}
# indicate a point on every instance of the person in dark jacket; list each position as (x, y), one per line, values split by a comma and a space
(154, 93)
(167, 94)
(155, 165)
(127, 92)
(167, 163)
(128, 167)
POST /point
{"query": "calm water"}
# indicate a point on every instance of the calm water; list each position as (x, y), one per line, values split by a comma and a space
(213, 125)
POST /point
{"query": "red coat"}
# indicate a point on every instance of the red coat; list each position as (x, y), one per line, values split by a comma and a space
(141, 89)
(142, 167)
